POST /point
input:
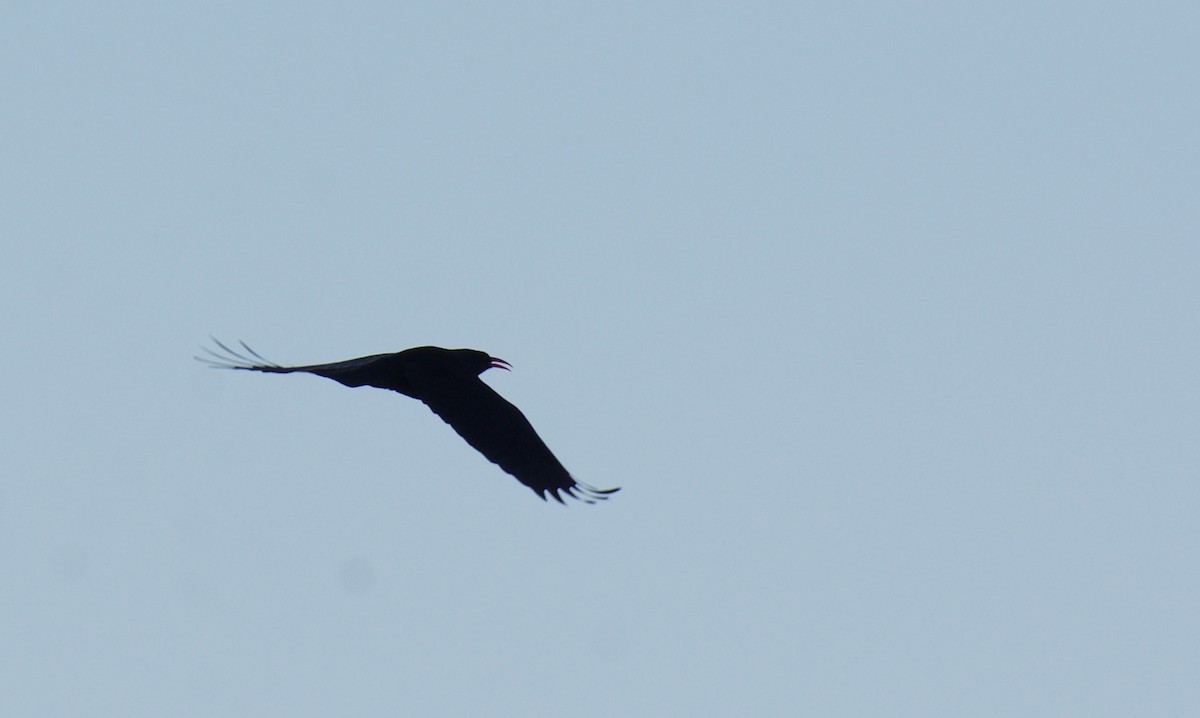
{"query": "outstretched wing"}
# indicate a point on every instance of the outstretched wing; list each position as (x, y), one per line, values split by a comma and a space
(499, 430)
(375, 370)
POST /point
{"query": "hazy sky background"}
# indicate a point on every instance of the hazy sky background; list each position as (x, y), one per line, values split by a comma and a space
(884, 316)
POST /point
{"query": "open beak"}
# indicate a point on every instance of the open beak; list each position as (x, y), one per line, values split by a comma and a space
(499, 364)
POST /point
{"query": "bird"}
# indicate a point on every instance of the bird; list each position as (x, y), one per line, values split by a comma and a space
(448, 382)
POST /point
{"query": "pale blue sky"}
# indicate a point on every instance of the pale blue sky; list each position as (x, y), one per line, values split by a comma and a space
(885, 318)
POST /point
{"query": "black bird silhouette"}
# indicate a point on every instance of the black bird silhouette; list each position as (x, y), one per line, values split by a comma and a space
(447, 381)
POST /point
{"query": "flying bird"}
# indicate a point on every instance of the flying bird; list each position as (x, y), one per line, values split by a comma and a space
(447, 381)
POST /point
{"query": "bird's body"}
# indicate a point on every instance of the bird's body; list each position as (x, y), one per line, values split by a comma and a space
(447, 381)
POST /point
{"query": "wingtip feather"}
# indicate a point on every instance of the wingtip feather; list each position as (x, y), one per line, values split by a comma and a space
(580, 492)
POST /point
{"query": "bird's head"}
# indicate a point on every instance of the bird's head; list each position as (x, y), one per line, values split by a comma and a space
(479, 362)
